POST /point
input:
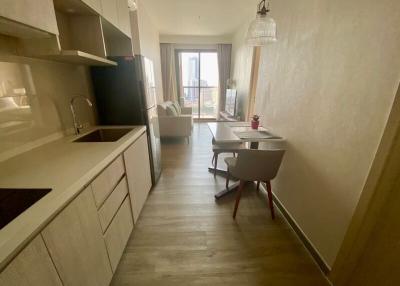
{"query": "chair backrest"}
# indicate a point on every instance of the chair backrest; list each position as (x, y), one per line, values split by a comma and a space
(257, 165)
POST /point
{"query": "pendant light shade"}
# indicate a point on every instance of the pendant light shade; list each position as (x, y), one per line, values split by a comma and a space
(262, 30)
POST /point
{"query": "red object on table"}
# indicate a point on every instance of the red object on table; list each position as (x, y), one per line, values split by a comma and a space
(255, 124)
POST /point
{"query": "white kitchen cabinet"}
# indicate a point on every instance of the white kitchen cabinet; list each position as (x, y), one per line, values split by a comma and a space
(117, 235)
(76, 245)
(137, 166)
(95, 5)
(124, 23)
(110, 11)
(32, 267)
(38, 14)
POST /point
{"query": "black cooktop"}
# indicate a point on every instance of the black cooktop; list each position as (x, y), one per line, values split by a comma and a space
(14, 202)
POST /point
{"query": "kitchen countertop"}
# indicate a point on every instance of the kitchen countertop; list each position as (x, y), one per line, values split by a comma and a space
(65, 167)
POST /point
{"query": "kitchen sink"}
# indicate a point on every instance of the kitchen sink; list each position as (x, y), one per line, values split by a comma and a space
(14, 202)
(104, 135)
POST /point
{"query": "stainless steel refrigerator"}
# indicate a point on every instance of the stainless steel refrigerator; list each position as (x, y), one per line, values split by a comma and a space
(126, 95)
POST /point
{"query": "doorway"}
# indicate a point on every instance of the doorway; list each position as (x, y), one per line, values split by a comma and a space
(199, 83)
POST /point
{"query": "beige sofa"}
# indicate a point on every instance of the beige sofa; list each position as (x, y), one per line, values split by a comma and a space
(175, 121)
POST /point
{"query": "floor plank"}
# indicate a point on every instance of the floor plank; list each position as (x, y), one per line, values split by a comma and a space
(185, 237)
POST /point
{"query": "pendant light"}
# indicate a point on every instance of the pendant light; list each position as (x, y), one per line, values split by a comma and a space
(132, 5)
(263, 29)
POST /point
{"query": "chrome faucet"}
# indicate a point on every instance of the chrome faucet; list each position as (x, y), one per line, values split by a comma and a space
(78, 126)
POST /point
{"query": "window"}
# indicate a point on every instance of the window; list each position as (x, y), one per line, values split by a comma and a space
(199, 81)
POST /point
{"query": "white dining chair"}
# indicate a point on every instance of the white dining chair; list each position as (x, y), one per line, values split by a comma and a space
(254, 165)
(224, 148)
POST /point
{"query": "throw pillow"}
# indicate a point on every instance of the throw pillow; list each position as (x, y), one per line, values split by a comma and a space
(171, 111)
(177, 107)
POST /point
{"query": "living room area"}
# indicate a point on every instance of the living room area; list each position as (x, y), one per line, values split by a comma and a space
(187, 142)
(194, 59)
(273, 146)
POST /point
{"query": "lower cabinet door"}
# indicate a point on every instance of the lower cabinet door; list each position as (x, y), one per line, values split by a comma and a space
(32, 267)
(118, 233)
(76, 245)
(137, 165)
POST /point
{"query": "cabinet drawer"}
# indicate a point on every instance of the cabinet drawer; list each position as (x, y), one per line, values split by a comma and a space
(105, 183)
(113, 202)
(118, 233)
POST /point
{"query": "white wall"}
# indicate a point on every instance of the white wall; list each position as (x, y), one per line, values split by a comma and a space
(146, 42)
(327, 86)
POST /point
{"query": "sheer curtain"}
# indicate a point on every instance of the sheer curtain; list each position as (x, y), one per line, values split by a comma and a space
(168, 72)
(224, 65)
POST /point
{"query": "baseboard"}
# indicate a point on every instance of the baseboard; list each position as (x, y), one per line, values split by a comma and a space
(301, 235)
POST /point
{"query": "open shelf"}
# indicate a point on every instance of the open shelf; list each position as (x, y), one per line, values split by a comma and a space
(79, 57)
(116, 43)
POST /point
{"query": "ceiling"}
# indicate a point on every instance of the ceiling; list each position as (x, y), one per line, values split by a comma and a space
(199, 17)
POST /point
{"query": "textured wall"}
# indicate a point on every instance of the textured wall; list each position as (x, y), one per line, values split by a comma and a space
(327, 86)
(241, 68)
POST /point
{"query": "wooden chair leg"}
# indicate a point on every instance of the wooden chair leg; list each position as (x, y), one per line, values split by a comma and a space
(270, 199)
(239, 194)
(258, 186)
(215, 165)
(213, 158)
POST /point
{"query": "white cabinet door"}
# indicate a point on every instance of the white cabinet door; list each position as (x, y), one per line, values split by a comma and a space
(118, 233)
(110, 11)
(32, 267)
(137, 165)
(124, 23)
(39, 14)
(94, 4)
(76, 245)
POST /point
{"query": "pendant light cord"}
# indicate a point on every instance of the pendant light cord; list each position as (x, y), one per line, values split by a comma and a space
(262, 10)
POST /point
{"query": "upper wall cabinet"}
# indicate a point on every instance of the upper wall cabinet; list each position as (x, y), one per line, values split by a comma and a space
(123, 17)
(74, 31)
(116, 12)
(77, 6)
(110, 12)
(27, 18)
(96, 5)
(80, 39)
(116, 28)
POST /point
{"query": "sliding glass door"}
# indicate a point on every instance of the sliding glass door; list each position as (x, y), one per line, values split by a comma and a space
(199, 80)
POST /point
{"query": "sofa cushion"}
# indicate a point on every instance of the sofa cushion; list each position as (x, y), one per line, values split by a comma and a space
(171, 111)
(177, 107)
(162, 108)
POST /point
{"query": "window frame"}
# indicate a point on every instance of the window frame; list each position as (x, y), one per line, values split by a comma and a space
(181, 87)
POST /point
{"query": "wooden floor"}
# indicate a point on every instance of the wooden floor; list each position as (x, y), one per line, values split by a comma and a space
(184, 237)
